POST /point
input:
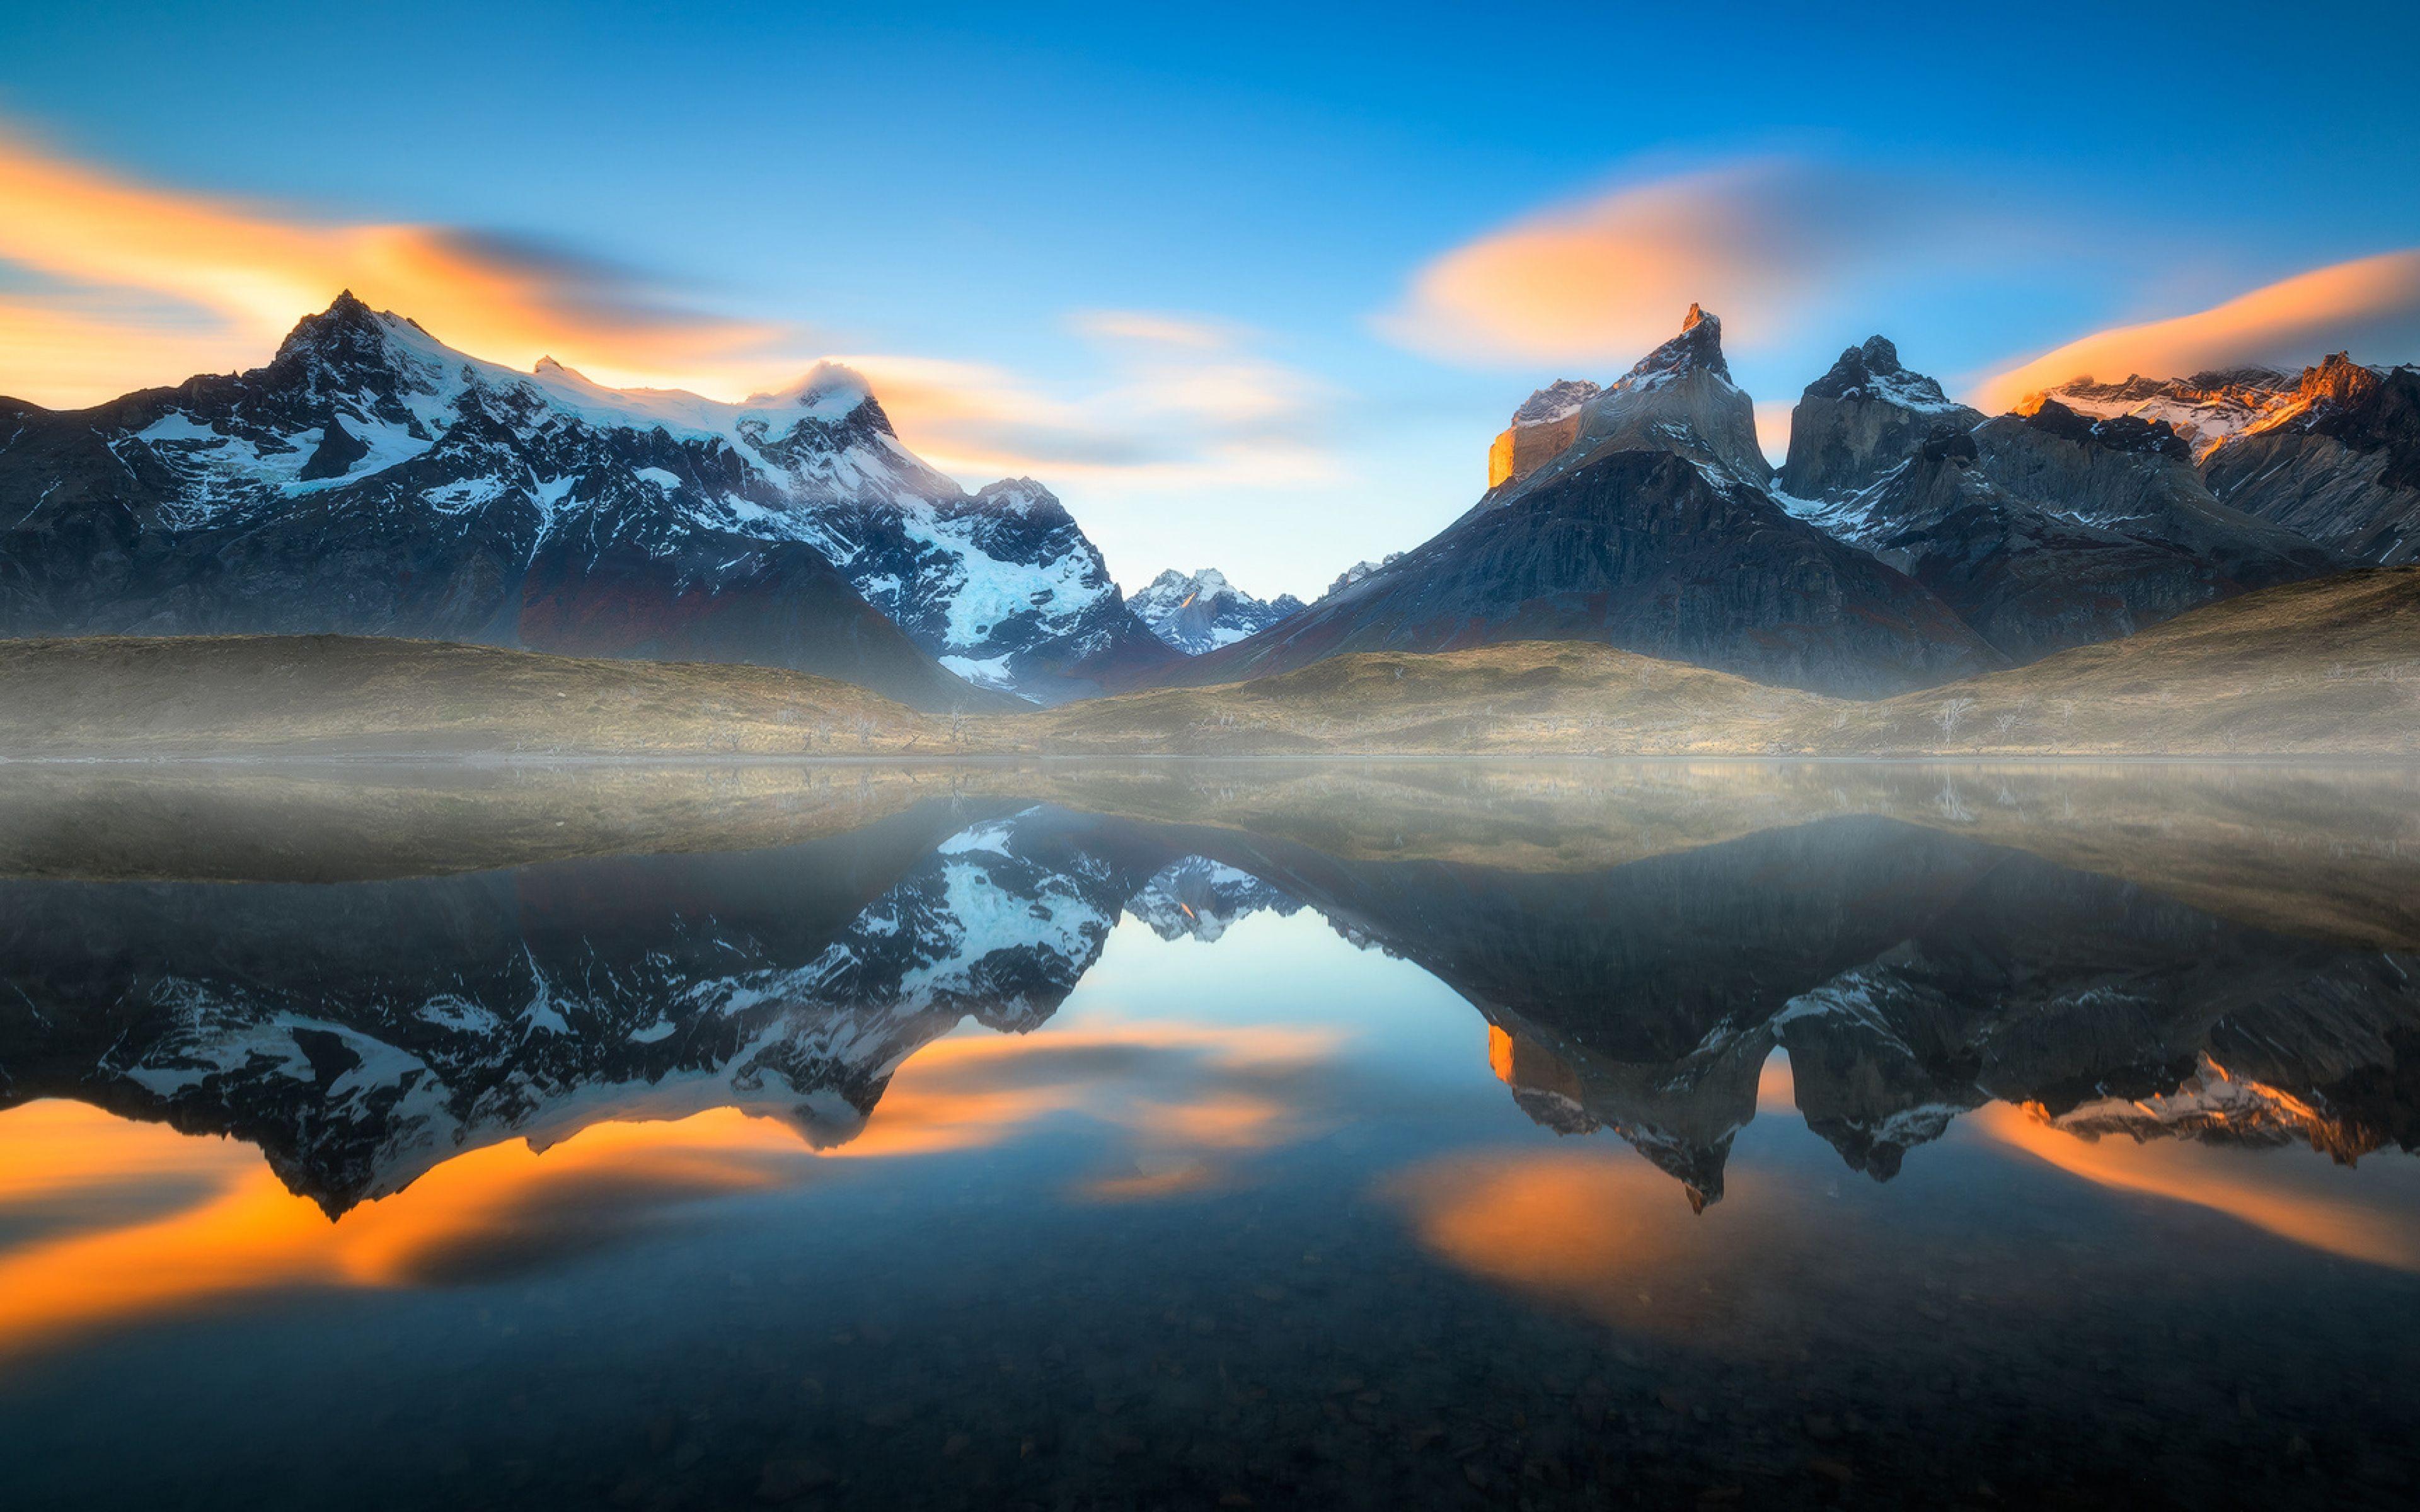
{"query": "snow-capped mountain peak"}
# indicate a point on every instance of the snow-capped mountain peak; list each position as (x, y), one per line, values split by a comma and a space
(1202, 611)
(2206, 410)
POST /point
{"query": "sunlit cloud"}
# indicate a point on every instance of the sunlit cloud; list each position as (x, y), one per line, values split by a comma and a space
(2369, 306)
(133, 286)
(1768, 243)
(244, 273)
(1174, 402)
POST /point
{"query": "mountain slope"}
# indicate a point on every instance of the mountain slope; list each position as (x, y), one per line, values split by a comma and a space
(2043, 530)
(371, 480)
(2338, 461)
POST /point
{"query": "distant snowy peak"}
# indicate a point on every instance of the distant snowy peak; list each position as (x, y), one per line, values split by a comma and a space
(2205, 410)
(1359, 570)
(1202, 611)
(2119, 433)
(1199, 898)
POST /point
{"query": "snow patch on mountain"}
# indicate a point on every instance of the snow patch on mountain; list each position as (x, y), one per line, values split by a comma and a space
(1202, 611)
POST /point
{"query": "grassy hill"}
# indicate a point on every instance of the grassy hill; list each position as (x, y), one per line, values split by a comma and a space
(2327, 668)
(2331, 665)
(356, 695)
(1532, 696)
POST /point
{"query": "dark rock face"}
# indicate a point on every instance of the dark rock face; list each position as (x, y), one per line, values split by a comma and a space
(2135, 476)
(2043, 531)
(1646, 551)
(370, 480)
(2339, 463)
(2119, 433)
(1863, 418)
(2028, 579)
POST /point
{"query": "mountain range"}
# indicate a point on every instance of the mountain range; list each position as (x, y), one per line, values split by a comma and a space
(370, 480)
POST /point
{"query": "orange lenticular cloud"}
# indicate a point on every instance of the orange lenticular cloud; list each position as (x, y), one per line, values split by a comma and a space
(2271, 1196)
(2369, 306)
(249, 274)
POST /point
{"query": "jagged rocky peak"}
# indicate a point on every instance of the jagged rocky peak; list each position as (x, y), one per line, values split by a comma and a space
(2337, 461)
(1699, 344)
(1864, 416)
(1679, 397)
(2336, 380)
(1873, 371)
(1198, 611)
(2119, 433)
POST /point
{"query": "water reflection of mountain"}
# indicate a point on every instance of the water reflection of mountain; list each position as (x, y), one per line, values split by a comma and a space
(361, 1031)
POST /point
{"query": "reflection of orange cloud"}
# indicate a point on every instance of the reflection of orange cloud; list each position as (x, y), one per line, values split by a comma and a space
(2270, 1196)
(1591, 1230)
(253, 273)
(244, 1233)
(1184, 1093)
(2370, 306)
(220, 1225)
(1777, 1085)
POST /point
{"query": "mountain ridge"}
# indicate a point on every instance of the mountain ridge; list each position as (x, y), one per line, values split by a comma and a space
(437, 493)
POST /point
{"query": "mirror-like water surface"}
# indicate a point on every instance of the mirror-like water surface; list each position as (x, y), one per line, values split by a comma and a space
(1071, 1136)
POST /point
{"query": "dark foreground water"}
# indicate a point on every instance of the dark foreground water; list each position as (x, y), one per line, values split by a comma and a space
(1209, 1136)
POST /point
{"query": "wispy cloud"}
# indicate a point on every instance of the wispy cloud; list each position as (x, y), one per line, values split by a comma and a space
(1169, 401)
(2370, 306)
(123, 286)
(114, 250)
(1770, 243)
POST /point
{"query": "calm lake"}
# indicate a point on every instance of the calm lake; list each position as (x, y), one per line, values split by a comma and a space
(1169, 1134)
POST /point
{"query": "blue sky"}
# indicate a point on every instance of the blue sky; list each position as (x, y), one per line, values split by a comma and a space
(1198, 269)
